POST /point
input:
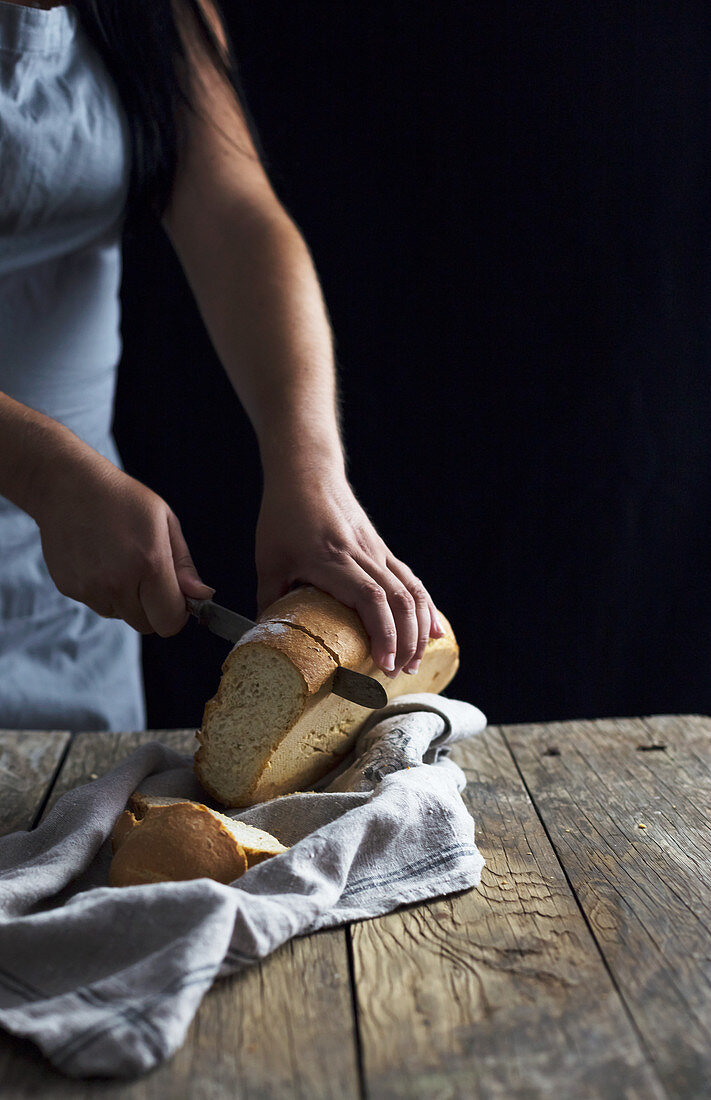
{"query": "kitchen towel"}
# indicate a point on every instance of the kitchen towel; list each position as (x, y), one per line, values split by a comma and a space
(107, 980)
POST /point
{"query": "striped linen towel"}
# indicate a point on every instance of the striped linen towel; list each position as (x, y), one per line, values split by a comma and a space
(107, 980)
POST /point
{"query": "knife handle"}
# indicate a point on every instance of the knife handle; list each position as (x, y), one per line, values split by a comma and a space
(195, 607)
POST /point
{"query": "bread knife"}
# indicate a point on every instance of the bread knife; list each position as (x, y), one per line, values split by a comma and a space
(364, 690)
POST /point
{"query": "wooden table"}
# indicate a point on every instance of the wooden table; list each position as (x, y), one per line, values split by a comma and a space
(581, 967)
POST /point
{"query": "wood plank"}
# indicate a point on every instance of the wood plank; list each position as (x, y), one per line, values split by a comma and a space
(94, 754)
(496, 992)
(28, 764)
(645, 891)
(283, 1029)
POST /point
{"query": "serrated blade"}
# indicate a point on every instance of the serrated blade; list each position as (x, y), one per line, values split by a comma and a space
(354, 686)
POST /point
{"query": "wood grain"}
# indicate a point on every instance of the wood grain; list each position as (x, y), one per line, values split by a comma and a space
(496, 992)
(28, 763)
(281, 1030)
(94, 754)
(645, 891)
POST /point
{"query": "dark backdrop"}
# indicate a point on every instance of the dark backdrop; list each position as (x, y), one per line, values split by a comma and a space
(508, 208)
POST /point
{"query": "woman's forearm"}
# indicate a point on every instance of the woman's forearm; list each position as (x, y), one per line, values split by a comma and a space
(257, 289)
(28, 441)
(107, 540)
(259, 295)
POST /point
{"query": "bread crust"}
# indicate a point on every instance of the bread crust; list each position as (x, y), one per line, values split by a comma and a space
(338, 628)
(174, 843)
(258, 845)
(125, 823)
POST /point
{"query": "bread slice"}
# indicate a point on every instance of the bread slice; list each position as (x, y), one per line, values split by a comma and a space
(257, 844)
(171, 839)
(174, 843)
(274, 726)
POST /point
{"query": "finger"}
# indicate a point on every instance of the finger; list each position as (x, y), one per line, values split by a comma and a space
(133, 614)
(160, 594)
(163, 602)
(187, 575)
(433, 627)
(437, 629)
(422, 609)
(404, 609)
(355, 588)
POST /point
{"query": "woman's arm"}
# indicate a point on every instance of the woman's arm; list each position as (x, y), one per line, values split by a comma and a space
(255, 284)
(25, 436)
(108, 540)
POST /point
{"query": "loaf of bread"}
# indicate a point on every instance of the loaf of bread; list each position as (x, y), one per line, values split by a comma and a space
(172, 839)
(274, 726)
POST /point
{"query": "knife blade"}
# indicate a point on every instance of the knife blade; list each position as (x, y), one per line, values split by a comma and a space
(364, 690)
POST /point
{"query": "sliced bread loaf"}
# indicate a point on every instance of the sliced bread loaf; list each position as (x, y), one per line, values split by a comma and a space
(274, 726)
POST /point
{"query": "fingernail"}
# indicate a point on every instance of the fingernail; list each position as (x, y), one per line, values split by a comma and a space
(438, 624)
(210, 590)
(389, 662)
(412, 669)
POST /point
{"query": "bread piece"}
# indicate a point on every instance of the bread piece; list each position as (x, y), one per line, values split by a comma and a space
(121, 830)
(257, 844)
(173, 843)
(274, 726)
(169, 839)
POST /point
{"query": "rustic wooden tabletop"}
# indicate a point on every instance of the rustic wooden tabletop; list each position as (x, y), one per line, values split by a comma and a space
(581, 967)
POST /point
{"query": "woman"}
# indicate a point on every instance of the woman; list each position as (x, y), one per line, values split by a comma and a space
(109, 106)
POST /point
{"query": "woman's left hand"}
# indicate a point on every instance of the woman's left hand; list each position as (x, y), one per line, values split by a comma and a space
(312, 530)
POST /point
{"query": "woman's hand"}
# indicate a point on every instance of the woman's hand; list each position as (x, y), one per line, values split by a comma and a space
(312, 530)
(114, 544)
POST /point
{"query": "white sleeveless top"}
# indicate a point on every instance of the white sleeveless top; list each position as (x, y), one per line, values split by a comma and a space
(64, 171)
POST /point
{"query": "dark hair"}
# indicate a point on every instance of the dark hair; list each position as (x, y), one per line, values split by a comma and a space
(142, 48)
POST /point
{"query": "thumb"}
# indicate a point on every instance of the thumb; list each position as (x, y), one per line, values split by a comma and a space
(185, 571)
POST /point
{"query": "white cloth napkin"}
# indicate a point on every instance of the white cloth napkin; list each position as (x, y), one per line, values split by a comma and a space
(107, 980)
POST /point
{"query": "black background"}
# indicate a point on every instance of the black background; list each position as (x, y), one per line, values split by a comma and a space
(508, 208)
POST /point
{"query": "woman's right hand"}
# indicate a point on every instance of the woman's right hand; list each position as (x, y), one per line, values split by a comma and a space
(112, 543)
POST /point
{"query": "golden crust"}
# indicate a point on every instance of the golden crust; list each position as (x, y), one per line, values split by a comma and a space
(175, 843)
(338, 628)
(308, 657)
(122, 828)
(258, 844)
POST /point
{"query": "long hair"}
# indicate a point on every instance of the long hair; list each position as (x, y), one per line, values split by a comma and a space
(143, 50)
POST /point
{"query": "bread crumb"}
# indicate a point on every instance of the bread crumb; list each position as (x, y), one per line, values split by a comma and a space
(641, 826)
